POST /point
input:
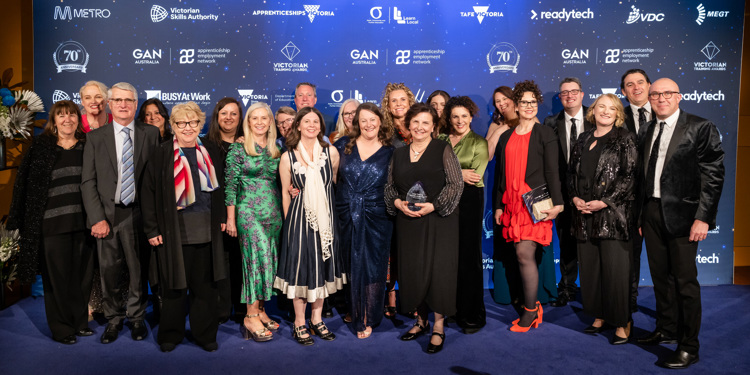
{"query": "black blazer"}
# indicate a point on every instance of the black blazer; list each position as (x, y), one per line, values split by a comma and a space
(613, 183)
(630, 119)
(693, 174)
(159, 210)
(557, 123)
(541, 164)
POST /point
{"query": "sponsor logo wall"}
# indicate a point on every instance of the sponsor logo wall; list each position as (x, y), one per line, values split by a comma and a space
(258, 51)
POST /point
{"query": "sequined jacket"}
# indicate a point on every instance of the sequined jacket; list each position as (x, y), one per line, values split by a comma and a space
(614, 184)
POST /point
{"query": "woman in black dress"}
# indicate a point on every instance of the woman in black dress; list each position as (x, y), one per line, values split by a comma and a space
(602, 184)
(426, 239)
(47, 208)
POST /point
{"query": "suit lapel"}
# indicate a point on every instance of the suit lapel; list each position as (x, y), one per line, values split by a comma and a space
(677, 135)
(138, 139)
(109, 142)
(648, 138)
(562, 133)
(630, 120)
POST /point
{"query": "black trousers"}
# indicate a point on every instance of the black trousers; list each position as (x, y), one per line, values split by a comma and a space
(605, 279)
(231, 287)
(636, 243)
(67, 274)
(568, 253)
(202, 296)
(124, 247)
(675, 276)
(470, 310)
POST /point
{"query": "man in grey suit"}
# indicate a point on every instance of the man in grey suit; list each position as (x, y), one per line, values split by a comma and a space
(114, 157)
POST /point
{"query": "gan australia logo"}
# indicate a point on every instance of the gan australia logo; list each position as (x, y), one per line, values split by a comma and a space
(147, 56)
(364, 57)
(247, 96)
(481, 12)
(159, 13)
(636, 15)
(290, 51)
(710, 50)
(503, 57)
(703, 14)
(575, 56)
(70, 56)
(68, 13)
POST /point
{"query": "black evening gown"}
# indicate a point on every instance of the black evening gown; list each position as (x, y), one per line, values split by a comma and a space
(428, 245)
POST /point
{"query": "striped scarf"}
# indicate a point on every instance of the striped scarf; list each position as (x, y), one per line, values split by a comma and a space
(183, 178)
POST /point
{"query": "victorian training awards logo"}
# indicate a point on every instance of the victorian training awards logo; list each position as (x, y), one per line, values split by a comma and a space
(158, 13)
(290, 51)
(503, 57)
(710, 50)
(70, 56)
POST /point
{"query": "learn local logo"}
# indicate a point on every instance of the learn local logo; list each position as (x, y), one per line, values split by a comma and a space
(339, 96)
(70, 56)
(710, 50)
(59, 95)
(614, 91)
(171, 98)
(628, 55)
(481, 12)
(636, 15)
(503, 57)
(290, 51)
(159, 13)
(563, 15)
(68, 13)
(247, 96)
(575, 56)
(400, 19)
(311, 11)
(147, 56)
(364, 57)
(703, 14)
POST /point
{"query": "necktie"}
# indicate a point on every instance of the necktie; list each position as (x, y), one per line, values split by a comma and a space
(651, 172)
(573, 134)
(641, 118)
(127, 187)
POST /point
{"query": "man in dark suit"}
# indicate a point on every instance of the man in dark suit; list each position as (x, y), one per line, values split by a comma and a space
(635, 85)
(683, 175)
(568, 124)
(114, 157)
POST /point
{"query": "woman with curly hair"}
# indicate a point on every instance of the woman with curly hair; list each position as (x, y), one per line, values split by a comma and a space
(527, 160)
(397, 99)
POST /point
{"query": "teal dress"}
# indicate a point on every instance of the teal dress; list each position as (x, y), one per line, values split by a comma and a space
(251, 188)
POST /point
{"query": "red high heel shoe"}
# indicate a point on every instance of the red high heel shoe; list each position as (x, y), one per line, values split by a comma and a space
(535, 323)
(541, 313)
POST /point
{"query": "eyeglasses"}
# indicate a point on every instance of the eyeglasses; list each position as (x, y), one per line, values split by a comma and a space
(119, 101)
(348, 114)
(183, 124)
(524, 103)
(570, 92)
(286, 122)
(665, 94)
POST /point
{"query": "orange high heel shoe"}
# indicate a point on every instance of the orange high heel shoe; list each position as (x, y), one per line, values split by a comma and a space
(535, 323)
(541, 313)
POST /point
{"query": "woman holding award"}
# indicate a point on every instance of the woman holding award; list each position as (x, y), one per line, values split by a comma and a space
(600, 179)
(527, 158)
(423, 190)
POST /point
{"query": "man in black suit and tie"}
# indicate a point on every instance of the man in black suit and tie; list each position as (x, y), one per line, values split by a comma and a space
(568, 124)
(683, 175)
(635, 85)
(113, 161)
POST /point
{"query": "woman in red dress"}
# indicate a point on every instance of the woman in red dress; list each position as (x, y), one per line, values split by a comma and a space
(528, 159)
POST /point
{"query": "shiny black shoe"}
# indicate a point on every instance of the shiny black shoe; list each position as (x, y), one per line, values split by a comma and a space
(413, 336)
(68, 340)
(138, 331)
(432, 349)
(167, 347)
(591, 330)
(85, 332)
(110, 333)
(656, 338)
(211, 347)
(297, 333)
(679, 360)
(317, 330)
(562, 300)
(617, 340)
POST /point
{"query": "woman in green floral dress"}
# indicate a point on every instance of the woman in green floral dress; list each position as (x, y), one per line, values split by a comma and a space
(254, 212)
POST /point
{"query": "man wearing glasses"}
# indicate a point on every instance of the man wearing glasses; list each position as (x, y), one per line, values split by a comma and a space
(114, 157)
(683, 175)
(568, 125)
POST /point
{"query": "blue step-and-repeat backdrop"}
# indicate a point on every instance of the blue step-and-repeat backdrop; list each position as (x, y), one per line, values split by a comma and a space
(259, 50)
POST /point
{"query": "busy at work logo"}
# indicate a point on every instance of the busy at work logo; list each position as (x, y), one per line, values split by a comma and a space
(68, 13)
(159, 13)
(70, 56)
(703, 14)
(290, 51)
(636, 15)
(376, 16)
(59, 95)
(563, 15)
(710, 50)
(575, 56)
(503, 57)
(481, 12)
(171, 98)
(364, 57)
(247, 96)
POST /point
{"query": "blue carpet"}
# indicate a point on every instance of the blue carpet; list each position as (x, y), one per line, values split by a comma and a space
(557, 347)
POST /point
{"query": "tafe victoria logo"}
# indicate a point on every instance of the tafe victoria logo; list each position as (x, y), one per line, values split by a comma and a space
(480, 12)
(248, 97)
(67, 13)
(636, 15)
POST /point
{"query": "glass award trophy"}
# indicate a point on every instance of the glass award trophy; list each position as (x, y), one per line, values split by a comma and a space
(416, 195)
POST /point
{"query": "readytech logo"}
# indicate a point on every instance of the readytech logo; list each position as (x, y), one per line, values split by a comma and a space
(248, 97)
(703, 14)
(563, 15)
(635, 15)
(68, 13)
(698, 97)
(481, 12)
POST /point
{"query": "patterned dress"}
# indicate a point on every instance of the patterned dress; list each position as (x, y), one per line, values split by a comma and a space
(251, 188)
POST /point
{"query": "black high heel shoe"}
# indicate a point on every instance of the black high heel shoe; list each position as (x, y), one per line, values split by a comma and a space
(317, 329)
(297, 333)
(432, 349)
(412, 336)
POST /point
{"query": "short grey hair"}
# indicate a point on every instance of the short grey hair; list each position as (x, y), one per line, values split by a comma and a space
(123, 86)
(314, 88)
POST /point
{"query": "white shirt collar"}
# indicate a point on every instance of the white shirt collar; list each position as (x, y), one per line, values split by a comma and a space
(578, 116)
(671, 120)
(118, 126)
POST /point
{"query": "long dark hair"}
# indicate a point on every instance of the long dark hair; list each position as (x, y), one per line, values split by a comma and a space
(64, 106)
(162, 111)
(294, 135)
(214, 131)
(385, 133)
(497, 114)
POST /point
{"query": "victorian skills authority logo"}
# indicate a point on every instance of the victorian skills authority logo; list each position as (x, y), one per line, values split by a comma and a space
(480, 12)
(159, 13)
(503, 57)
(290, 51)
(59, 95)
(70, 56)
